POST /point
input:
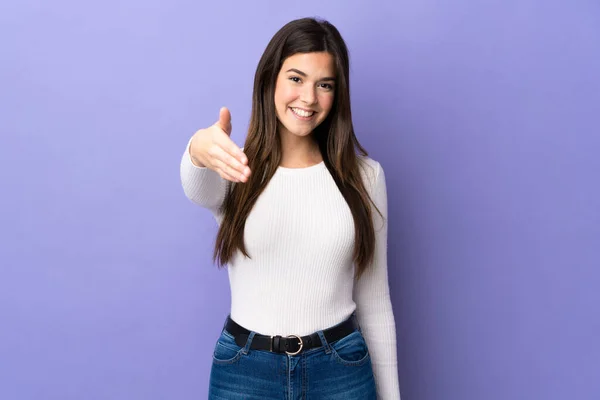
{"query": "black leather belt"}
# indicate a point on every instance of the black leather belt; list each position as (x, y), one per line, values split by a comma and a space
(292, 344)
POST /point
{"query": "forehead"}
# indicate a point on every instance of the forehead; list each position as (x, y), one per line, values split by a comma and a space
(313, 64)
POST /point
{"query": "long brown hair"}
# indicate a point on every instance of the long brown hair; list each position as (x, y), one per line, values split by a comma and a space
(335, 136)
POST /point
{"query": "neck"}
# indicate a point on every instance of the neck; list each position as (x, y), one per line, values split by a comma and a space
(299, 151)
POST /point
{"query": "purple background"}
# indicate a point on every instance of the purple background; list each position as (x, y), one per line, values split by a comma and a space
(484, 115)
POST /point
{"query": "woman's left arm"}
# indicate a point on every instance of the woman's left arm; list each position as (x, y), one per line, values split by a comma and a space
(372, 298)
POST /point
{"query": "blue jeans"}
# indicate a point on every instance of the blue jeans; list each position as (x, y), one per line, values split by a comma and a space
(340, 370)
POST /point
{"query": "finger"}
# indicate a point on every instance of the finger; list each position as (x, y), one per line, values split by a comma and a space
(225, 175)
(230, 148)
(225, 120)
(234, 167)
(230, 171)
(227, 159)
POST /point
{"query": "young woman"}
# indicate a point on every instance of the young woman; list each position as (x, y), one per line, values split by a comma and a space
(302, 215)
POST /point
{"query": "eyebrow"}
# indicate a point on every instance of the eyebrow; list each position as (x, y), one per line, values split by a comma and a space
(304, 75)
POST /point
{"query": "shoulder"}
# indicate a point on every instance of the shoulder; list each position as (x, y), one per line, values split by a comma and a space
(371, 171)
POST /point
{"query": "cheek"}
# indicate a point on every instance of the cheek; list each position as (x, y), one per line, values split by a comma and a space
(326, 102)
(284, 95)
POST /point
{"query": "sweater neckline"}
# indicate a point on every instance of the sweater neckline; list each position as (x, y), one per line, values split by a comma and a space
(303, 170)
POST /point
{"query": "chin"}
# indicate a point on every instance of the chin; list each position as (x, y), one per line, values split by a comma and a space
(296, 130)
(300, 133)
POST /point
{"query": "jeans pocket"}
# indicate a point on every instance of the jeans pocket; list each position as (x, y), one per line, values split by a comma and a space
(226, 350)
(351, 350)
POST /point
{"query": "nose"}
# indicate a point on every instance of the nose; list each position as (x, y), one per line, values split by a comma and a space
(308, 95)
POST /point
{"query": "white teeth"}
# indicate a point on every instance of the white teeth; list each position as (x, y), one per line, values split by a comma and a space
(302, 113)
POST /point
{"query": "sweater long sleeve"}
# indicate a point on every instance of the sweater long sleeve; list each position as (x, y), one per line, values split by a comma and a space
(202, 185)
(373, 303)
(300, 238)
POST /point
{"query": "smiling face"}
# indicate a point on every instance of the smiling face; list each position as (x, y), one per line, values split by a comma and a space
(304, 92)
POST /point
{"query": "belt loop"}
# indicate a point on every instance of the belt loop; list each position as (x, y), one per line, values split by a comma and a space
(324, 342)
(248, 343)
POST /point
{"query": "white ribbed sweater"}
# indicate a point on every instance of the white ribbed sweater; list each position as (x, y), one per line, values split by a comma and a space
(300, 235)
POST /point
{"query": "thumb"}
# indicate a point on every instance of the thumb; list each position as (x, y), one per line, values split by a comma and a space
(225, 120)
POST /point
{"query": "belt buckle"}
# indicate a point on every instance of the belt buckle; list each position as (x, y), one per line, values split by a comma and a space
(301, 345)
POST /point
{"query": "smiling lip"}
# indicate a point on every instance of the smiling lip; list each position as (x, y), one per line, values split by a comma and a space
(304, 109)
(301, 118)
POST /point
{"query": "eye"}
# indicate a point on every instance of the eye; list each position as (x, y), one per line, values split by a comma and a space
(327, 86)
(293, 78)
